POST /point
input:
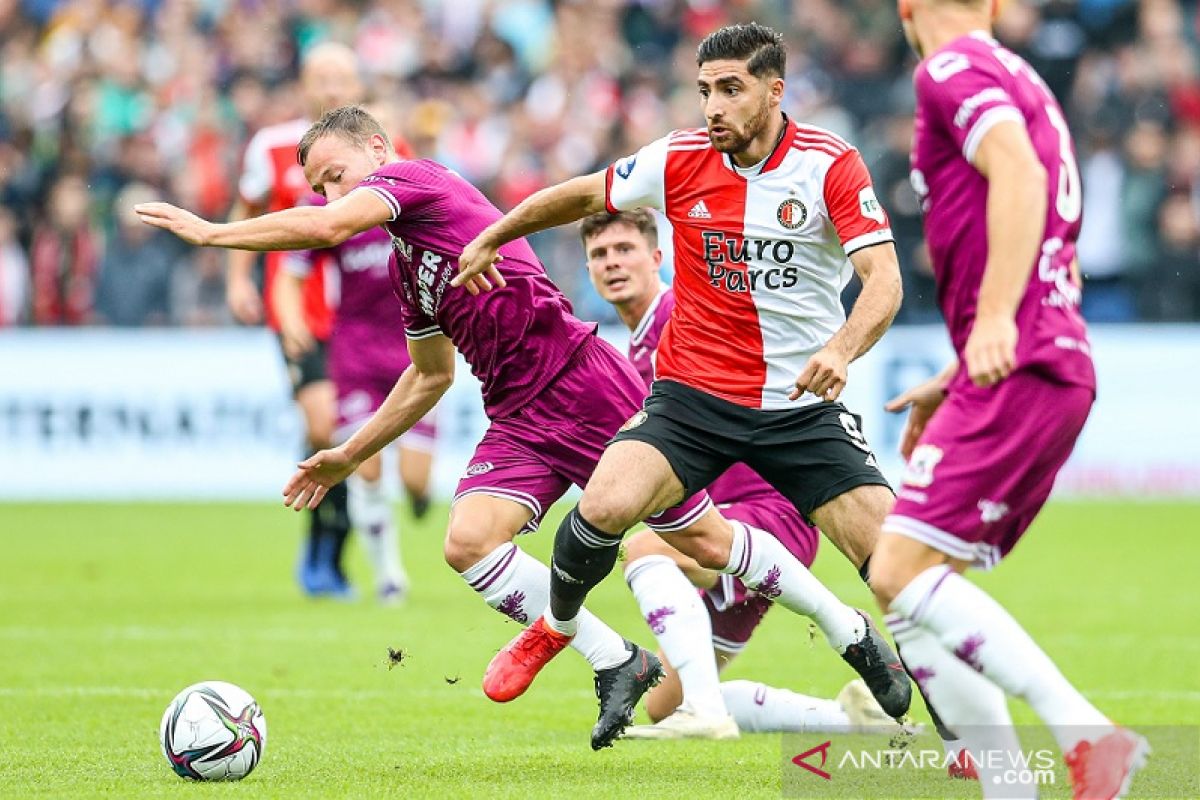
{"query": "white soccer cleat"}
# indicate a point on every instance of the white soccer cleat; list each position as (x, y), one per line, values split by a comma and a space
(864, 711)
(684, 724)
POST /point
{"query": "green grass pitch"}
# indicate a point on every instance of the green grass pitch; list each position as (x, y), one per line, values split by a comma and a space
(106, 611)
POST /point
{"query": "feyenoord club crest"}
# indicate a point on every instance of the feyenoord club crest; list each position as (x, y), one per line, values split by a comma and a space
(634, 421)
(792, 214)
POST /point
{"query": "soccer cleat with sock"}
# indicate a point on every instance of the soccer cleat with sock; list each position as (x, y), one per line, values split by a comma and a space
(684, 723)
(1104, 769)
(878, 665)
(619, 688)
(513, 669)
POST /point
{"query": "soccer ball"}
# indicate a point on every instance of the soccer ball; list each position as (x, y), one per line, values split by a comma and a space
(213, 731)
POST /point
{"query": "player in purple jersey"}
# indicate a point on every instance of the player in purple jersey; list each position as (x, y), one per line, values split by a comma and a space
(702, 631)
(364, 363)
(994, 164)
(554, 392)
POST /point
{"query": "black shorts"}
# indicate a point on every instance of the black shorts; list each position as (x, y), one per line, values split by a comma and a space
(308, 369)
(810, 455)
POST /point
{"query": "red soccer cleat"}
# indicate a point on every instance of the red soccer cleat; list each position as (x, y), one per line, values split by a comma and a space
(1103, 770)
(963, 768)
(514, 668)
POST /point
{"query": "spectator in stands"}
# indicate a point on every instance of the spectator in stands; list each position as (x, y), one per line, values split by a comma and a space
(136, 272)
(14, 273)
(65, 256)
(198, 292)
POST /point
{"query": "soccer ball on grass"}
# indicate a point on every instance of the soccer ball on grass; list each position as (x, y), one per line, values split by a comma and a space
(213, 731)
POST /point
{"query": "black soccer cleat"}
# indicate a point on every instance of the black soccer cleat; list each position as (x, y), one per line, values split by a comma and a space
(880, 668)
(619, 688)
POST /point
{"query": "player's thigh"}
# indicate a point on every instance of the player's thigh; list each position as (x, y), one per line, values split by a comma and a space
(633, 480)
(317, 402)
(371, 470)
(646, 543)
(854, 519)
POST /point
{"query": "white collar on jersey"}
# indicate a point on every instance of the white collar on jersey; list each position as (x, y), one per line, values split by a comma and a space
(644, 323)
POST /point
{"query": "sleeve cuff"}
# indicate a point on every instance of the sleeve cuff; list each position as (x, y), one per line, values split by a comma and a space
(868, 240)
(423, 333)
(391, 202)
(988, 120)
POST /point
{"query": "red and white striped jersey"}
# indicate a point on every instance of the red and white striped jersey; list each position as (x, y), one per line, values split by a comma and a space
(760, 256)
(272, 177)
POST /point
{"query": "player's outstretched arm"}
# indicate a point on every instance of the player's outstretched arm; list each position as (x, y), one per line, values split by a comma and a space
(879, 269)
(1016, 221)
(556, 205)
(417, 391)
(301, 228)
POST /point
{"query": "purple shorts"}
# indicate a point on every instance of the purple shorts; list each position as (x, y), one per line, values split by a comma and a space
(734, 609)
(357, 400)
(986, 464)
(556, 440)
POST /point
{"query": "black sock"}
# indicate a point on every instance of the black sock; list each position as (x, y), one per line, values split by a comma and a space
(583, 555)
(864, 571)
(337, 523)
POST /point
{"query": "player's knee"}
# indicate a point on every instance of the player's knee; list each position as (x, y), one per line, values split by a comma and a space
(709, 552)
(467, 543)
(663, 699)
(643, 543)
(613, 514)
(888, 578)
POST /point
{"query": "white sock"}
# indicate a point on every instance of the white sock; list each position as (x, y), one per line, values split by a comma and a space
(679, 621)
(758, 708)
(371, 514)
(766, 566)
(517, 585)
(975, 628)
(970, 705)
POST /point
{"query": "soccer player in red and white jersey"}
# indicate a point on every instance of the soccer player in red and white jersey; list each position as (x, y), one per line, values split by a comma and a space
(770, 219)
(271, 180)
(994, 164)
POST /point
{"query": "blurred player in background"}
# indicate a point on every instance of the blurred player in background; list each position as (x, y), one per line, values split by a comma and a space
(994, 165)
(770, 219)
(366, 356)
(700, 633)
(271, 180)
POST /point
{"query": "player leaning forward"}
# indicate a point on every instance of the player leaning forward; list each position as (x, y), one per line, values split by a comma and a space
(995, 166)
(554, 392)
(768, 218)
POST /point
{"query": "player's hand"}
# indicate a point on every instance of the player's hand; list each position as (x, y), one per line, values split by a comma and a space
(477, 267)
(824, 375)
(921, 401)
(297, 339)
(315, 476)
(991, 351)
(184, 224)
(243, 300)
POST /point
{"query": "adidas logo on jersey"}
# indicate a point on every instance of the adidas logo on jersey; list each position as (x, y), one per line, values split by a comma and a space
(699, 211)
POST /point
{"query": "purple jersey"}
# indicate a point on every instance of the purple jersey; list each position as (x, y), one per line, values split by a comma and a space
(368, 332)
(517, 340)
(963, 90)
(739, 483)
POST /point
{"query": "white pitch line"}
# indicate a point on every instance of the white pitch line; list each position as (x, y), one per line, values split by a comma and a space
(313, 694)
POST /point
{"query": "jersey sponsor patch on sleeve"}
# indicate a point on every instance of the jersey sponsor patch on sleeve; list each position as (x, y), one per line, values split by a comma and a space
(624, 167)
(868, 204)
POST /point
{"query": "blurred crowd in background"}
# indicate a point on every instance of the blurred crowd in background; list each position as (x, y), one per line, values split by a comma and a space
(107, 103)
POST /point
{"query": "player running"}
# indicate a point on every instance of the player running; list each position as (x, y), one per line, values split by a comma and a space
(365, 362)
(993, 162)
(700, 633)
(769, 216)
(271, 181)
(554, 392)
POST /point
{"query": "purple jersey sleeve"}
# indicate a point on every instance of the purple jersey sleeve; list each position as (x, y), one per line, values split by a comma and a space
(965, 97)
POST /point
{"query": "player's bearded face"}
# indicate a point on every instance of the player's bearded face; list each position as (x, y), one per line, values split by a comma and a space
(737, 105)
